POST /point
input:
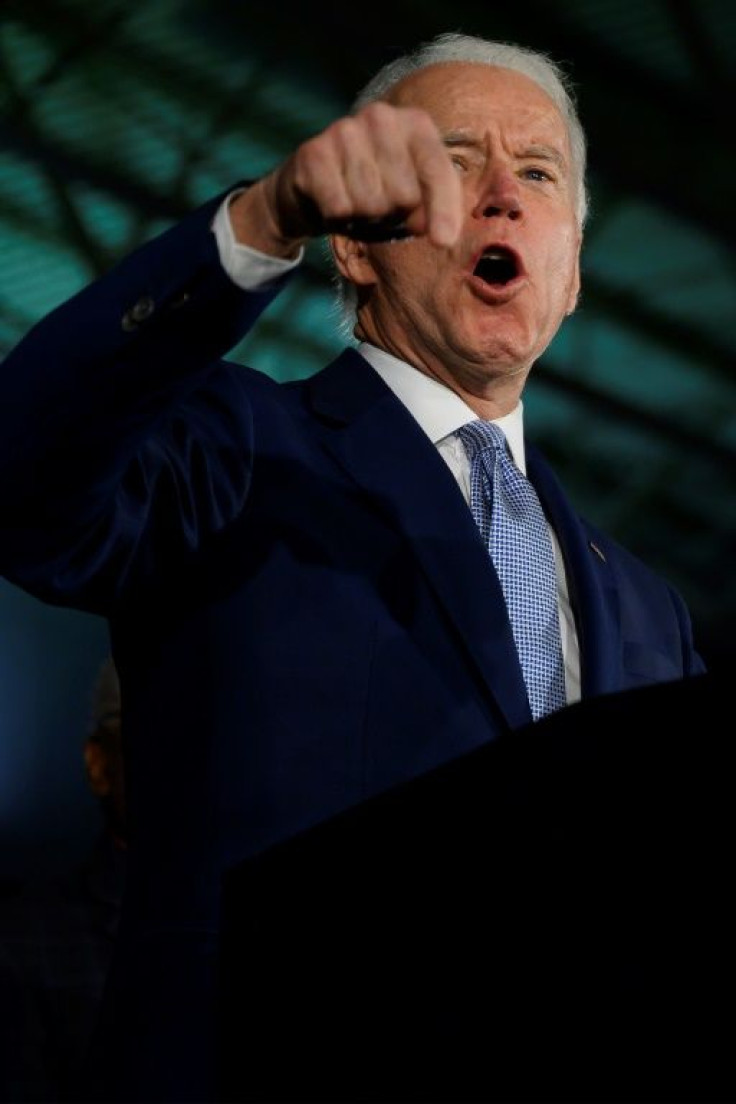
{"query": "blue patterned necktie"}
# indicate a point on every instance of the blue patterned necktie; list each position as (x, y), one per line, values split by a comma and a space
(514, 530)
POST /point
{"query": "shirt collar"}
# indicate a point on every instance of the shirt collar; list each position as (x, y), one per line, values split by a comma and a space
(437, 409)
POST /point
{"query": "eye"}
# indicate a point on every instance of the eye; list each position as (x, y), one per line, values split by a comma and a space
(535, 173)
(459, 162)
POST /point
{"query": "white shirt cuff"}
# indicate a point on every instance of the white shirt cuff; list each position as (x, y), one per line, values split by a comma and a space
(248, 268)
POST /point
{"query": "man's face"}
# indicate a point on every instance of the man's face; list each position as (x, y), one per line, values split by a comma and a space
(481, 312)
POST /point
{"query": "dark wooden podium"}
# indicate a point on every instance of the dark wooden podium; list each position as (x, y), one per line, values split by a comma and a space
(547, 919)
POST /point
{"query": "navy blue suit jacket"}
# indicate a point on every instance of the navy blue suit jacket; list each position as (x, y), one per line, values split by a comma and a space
(302, 611)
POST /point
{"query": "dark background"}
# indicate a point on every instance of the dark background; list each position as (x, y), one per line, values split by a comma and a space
(115, 118)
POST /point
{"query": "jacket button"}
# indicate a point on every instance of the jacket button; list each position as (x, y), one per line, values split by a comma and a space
(138, 313)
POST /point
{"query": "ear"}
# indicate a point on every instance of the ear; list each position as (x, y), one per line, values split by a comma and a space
(95, 761)
(353, 261)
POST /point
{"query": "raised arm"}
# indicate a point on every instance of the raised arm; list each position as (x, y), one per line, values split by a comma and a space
(118, 400)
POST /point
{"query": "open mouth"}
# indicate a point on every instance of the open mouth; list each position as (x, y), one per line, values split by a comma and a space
(497, 266)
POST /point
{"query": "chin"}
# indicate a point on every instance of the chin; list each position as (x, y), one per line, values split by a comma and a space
(508, 357)
(482, 366)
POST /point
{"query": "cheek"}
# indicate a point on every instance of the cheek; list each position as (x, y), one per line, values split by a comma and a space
(562, 263)
(397, 261)
(570, 248)
(416, 275)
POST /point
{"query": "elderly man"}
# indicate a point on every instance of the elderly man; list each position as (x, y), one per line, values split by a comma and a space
(304, 609)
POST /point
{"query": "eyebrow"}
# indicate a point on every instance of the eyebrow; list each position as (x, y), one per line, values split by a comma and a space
(546, 153)
(542, 152)
(452, 138)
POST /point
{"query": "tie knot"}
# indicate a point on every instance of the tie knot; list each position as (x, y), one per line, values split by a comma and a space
(478, 436)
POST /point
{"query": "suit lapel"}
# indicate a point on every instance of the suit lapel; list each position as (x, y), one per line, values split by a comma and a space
(381, 446)
(592, 586)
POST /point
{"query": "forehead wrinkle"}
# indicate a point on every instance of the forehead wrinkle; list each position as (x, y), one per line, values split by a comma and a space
(455, 139)
(456, 136)
(462, 92)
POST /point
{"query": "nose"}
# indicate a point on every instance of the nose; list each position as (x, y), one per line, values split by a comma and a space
(499, 195)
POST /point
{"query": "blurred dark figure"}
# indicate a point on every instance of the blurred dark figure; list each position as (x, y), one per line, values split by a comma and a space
(57, 935)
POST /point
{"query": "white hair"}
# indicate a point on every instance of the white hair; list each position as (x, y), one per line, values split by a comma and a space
(470, 49)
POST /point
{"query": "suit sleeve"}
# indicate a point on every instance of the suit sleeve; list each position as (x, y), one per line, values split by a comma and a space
(116, 410)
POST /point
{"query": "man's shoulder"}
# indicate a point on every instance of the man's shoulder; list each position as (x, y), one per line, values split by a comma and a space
(286, 383)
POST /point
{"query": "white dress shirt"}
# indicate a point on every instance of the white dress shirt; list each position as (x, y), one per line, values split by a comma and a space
(439, 411)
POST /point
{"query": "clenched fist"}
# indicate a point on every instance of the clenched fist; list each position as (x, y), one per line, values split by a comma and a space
(380, 173)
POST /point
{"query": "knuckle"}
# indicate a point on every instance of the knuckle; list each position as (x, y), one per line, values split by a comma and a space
(419, 120)
(346, 130)
(378, 114)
